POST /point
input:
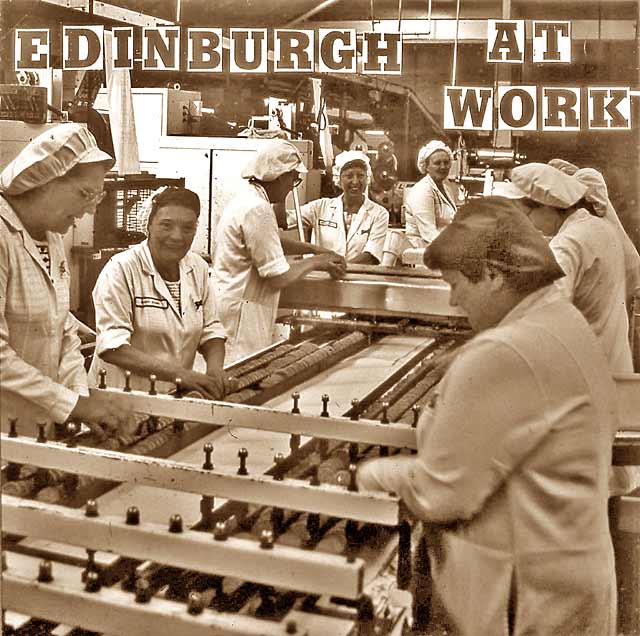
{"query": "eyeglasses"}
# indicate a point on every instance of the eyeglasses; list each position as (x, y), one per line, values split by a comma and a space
(92, 197)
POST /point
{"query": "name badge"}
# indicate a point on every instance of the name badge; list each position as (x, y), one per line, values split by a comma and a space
(327, 223)
(148, 301)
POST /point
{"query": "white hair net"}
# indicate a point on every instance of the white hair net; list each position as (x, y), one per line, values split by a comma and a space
(347, 157)
(547, 185)
(427, 150)
(276, 157)
(144, 212)
(50, 155)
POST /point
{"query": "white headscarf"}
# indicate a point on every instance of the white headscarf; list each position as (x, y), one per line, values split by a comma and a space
(427, 150)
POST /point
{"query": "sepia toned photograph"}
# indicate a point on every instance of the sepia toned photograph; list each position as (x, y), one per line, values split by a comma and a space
(320, 317)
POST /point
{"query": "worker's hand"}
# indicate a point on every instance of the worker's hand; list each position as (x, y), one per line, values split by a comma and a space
(333, 263)
(211, 386)
(99, 411)
(319, 249)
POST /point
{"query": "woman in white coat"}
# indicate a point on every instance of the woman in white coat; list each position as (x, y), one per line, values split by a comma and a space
(155, 307)
(250, 267)
(430, 204)
(598, 195)
(512, 463)
(594, 280)
(55, 180)
(351, 224)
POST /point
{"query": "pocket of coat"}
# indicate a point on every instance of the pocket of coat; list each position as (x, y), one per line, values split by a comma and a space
(464, 570)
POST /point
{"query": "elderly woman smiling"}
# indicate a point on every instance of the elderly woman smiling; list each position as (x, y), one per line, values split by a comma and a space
(351, 224)
(154, 304)
(431, 203)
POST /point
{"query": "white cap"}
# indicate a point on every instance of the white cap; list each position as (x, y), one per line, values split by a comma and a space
(50, 155)
(427, 150)
(546, 185)
(277, 157)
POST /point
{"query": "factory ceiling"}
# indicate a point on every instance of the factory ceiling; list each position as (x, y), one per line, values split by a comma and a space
(270, 13)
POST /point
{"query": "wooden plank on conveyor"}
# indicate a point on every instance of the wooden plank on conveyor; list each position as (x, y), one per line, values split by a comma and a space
(280, 566)
(294, 494)
(113, 611)
(351, 377)
(241, 415)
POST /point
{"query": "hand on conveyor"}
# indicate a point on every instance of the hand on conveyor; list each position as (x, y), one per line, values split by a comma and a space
(100, 411)
(333, 263)
(211, 386)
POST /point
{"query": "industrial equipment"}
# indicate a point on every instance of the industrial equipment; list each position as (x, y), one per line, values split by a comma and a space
(243, 516)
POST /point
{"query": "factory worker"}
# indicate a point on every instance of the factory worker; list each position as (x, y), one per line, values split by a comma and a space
(588, 249)
(350, 224)
(511, 470)
(155, 307)
(598, 195)
(430, 204)
(55, 180)
(250, 268)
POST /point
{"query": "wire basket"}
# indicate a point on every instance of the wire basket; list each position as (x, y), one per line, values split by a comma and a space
(116, 221)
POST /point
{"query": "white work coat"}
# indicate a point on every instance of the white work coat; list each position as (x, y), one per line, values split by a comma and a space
(134, 307)
(514, 459)
(427, 211)
(367, 232)
(248, 252)
(41, 366)
(589, 250)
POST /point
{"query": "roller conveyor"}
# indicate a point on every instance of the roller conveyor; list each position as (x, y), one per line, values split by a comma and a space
(265, 525)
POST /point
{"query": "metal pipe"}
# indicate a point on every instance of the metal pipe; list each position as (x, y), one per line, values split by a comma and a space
(296, 205)
(428, 31)
(455, 45)
(321, 7)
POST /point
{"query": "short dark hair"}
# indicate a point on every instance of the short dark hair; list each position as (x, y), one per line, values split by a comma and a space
(178, 195)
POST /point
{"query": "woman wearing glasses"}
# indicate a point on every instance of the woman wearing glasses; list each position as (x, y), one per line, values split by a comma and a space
(351, 224)
(54, 181)
(154, 305)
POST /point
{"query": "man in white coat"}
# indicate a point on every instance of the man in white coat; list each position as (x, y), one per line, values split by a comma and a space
(511, 473)
(250, 267)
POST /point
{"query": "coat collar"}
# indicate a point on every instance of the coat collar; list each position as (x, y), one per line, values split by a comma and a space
(360, 216)
(146, 262)
(449, 197)
(543, 296)
(10, 217)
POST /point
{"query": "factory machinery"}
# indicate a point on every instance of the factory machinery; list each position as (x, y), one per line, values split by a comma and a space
(242, 517)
